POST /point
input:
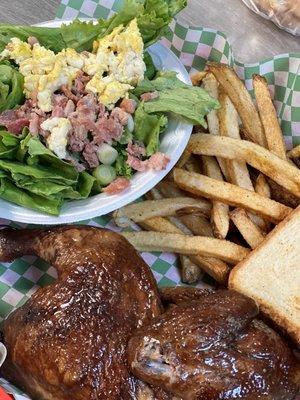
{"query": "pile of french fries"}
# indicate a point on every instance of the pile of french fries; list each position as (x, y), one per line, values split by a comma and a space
(232, 185)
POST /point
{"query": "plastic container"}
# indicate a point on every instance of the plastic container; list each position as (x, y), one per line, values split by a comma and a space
(284, 13)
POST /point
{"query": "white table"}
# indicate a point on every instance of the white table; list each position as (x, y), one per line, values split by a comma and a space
(252, 37)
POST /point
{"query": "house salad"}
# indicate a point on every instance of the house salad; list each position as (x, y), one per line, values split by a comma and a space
(82, 106)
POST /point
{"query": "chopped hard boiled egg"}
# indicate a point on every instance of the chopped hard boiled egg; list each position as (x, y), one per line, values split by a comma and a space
(115, 66)
(58, 138)
(108, 89)
(17, 50)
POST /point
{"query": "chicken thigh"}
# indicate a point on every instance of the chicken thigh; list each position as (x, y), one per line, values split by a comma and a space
(69, 340)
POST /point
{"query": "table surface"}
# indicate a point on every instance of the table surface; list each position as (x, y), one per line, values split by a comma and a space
(252, 37)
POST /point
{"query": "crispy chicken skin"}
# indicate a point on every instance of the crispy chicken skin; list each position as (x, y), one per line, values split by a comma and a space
(69, 340)
(213, 348)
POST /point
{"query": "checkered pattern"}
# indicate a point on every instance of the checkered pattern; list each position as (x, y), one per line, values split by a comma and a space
(193, 46)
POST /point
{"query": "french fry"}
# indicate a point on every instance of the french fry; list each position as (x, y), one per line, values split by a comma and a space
(184, 158)
(230, 194)
(188, 245)
(154, 194)
(198, 77)
(197, 224)
(281, 171)
(241, 99)
(278, 193)
(220, 211)
(250, 232)
(229, 126)
(211, 85)
(268, 116)
(138, 212)
(169, 189)
(192, 165)
(190, 272)
(262, 188)
(216, 268)
(294, 153)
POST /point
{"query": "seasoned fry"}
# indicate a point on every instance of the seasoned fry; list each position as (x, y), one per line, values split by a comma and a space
(250, 232)
(197, 224)
(154, 194)
(229, 126)
(241, 99)
(279, 170)
(262, 187)
(211, 85)
(282, 196)
(184, 158)
(190, 272)
(192, 165)
(138, 212)
(295, 152)
(230, 194)
(220, 211)
(268, 116)
(189, 245)
(169, 189)
(216, 268)
(159, 224)
(198, 77)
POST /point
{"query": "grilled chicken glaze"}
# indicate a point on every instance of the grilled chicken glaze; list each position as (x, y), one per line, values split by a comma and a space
(68, 342)
(212, 348)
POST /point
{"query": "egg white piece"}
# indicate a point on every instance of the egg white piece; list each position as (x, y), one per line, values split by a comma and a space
(58, 138)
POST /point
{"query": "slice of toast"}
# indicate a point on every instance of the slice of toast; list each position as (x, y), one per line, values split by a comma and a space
(270, 274)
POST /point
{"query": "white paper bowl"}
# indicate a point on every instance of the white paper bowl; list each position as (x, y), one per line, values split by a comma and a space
(173, 143)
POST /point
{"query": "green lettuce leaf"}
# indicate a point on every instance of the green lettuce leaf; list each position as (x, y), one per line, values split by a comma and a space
(150, 67)
(162, 81)
(153, 18)
(51, 38)
(121, 166)
(148, 127)
(192, 103)
(175, 96)
(11, 86)
(10, 192)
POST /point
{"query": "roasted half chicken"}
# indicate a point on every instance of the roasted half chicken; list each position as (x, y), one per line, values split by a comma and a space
(99, 332)
(209, 346)
(68, 342)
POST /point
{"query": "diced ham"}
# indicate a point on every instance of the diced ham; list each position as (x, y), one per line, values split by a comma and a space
(59, 102)
(120, 115)
(107, 129)
(117, 186)
(83, 121)
(35, 124)
(90, 155)
(128, 105)
(157, 162)
(70, 107)
(77, 137)
(80, 83)
(149, 95)
(136, 150)
(69, 94)
(13, 121)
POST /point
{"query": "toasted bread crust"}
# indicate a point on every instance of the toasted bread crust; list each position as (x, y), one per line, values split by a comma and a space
(237, 281)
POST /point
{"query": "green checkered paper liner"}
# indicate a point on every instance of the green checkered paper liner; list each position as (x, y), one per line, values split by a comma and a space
(193, 46)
